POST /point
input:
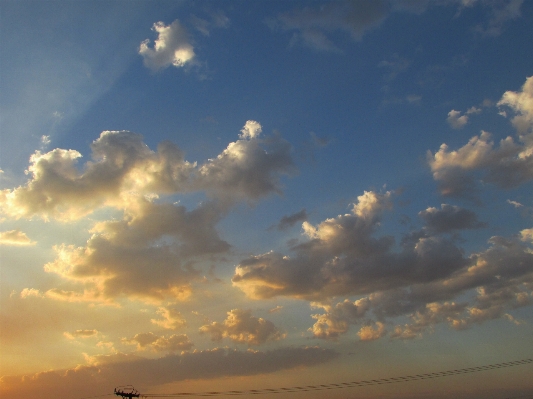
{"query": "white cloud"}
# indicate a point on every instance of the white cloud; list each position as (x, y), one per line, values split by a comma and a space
(456, 120)
(507, 165)
(522, 104)
(172, 47)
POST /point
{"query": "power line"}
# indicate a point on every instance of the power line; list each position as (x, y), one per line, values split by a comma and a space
(342, 385)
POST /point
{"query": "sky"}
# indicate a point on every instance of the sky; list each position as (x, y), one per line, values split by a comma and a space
(235, 195)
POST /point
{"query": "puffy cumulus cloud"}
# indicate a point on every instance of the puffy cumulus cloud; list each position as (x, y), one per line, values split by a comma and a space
(144, 255)
(450, 218)
(507, 165)
(123, 166)
(243, 328)
(122, 163)
(102, 376)
(370, 333)
(337, 319)
(427, 317)
(149, 340)
(80, 334)
(311, 26)
(15, 237)
(172, 47)
(150, 252)
(522, 104)
(248, 168)
(171, 319)
(420, 280)
(456, 120)
(342, 256)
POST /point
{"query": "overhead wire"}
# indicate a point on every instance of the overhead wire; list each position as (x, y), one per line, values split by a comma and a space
(352, 384)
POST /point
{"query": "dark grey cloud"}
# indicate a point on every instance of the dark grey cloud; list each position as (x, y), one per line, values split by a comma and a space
(288, 221)
(108, 371)
(450, 218)
(342, 257)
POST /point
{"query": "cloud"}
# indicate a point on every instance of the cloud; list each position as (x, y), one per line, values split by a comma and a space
(508, 165)
(174, 343)
(121, 164)
(369, 333)
(150, 252)
(144, 255)
(15, 237)
(243, 328)
(172, 47)
(102, 375)
(395, 65)
(337, 319)
(450, 218)
(248, 168)
(215, 20)
(501, 12)
(343, 257)
(456, 120)
(277, 309)
(123, 168)
(522, 104)
(81, 334)
(171, 319)
(288, 221)
(311, 26)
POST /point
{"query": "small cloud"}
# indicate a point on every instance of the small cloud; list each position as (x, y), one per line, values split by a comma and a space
(81, 334)
(276, 309)
(30, 292)
(515, 204)
(311, 27)
(149, 340)
(172, 47)
(450, 218)
(243, 328)
(288, 221)
(214, 20)
(413, 99)
(473, 110)
(395, 65)
(171, 319)
(500, 14)
(15, 237)
(456, 120)
(369, 333)
(45, 142)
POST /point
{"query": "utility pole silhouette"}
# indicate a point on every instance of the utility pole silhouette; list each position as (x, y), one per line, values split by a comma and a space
(127, 392)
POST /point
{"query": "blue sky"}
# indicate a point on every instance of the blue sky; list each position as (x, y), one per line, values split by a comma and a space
(249, 195)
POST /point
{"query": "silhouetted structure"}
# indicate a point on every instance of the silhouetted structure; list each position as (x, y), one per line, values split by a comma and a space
(127, 392)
